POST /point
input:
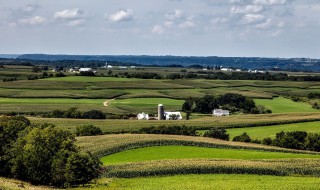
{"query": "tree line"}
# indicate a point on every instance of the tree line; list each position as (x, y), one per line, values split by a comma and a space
(230, 101)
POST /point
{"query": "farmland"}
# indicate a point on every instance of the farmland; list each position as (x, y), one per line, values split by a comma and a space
(283, 105)
(185, 152)
(145, 160)
(270, 131)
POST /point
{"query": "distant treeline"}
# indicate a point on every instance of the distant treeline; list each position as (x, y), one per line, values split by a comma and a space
(292, 64)
(222, 76)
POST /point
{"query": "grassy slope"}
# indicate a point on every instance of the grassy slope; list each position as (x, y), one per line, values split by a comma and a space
(204, 182)
(184, 152)
(284, 105)
(270, 131)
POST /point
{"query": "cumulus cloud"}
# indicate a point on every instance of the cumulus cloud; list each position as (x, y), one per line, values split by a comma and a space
(69, 14)
(33, 21)
(72, 17)
(175, 19)
(270, 2)
(253, 18)
(121, 15)
(246, 9)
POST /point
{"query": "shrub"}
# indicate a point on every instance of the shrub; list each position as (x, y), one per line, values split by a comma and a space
(88, 130)
(267, 141)
(294, 139)
(170, 130)
(218, 133)
(244, 137)
(94, 114)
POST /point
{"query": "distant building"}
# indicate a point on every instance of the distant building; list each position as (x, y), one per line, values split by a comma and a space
(85, 69)
(133, 67)
(220, 112)
(109, 66)
(143, 116)
(172, 115)
(238, 70)
(123, 67)
(226, 69)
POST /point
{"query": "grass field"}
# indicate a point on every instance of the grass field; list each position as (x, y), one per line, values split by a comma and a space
(148, 105)
(270, 131)
(205, 182)
(284, 105)
(186, 152)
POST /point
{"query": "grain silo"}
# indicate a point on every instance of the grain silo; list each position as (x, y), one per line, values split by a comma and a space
(160, 112)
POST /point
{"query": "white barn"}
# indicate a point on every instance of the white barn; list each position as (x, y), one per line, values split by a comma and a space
(143, 116)
(168, 115)
(220, 112)
(85, 69)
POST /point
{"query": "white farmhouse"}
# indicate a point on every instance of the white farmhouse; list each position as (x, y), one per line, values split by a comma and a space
(143, 116)
(170, 115)
(85, 69)
(220, 112)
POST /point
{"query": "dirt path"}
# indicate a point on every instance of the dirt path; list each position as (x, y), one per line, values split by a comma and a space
(106, 103)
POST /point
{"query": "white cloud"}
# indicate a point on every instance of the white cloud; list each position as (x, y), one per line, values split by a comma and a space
(270, 2)
(253, 18)
(246, 9)
(37, 20)
(122, 15)
(158, 29)
(69, 14)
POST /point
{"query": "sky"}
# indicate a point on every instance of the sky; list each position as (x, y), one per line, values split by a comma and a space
(246, 28)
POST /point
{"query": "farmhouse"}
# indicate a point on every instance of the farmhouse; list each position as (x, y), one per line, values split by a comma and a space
(172, 116)
(220, 112)
(143, 116)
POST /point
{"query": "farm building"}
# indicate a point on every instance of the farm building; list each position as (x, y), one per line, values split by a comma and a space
(172, 115)
(220, 112)
(143, 116)
(85, 69)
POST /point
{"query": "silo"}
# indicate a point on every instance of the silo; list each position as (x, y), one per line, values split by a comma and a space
(160, 112)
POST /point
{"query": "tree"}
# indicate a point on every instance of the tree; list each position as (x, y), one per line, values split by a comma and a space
(88, 130)
(94, 114)
(42, 156)
(244, 137)
(218, 133)
(10, 127)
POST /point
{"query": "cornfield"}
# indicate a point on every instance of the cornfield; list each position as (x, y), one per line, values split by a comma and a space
(109, 144)
(282, 167)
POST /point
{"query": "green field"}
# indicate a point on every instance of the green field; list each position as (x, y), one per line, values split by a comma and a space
(148, 105)
(270, 131)
(48, 104)
(205, 182)
(199, 122)
(186, 152)
(284, 105)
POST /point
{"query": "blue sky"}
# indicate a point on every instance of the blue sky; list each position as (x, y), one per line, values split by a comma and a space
(266, 28)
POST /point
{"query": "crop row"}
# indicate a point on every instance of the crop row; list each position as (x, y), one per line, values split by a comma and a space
(109, 144)
(283, 167)
(237, 121)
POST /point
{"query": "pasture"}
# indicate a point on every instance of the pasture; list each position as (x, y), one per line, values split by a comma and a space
(213, 181)
(270, 131)
(284, 105)
(187, 152)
